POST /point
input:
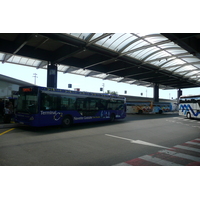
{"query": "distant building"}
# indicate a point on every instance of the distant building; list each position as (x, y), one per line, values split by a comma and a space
(9, 86)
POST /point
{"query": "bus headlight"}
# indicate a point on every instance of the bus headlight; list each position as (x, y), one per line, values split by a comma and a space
(31, 118)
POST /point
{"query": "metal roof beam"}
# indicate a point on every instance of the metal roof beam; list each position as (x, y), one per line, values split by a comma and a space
(67, 55)
(22, 40)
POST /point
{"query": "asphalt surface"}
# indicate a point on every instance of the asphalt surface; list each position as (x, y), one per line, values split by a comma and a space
(98, 144)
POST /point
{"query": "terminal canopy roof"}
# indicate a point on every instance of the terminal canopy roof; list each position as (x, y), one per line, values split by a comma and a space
(170, 60)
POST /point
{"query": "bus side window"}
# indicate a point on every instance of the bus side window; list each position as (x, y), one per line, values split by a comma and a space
(68, 103)
(79, 104)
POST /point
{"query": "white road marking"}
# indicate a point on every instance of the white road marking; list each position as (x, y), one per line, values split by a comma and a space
(187, 148)
(147, 143)
(137, 141)
(158, 161)
(177, 117)
(181, 155)
(118, 137)
(195, 143)
(122, 164)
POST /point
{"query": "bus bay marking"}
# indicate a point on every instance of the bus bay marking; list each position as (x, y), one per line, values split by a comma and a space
(7, 131)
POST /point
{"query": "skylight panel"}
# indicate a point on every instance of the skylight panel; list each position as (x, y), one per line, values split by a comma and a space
(185, 68)
(14, 59)
(192, 73)
(176, 62)
(30, 62)
(154, 39)
(135, 45)
(120, 40)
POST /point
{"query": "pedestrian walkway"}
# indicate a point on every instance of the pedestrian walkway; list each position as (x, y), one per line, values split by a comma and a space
(187, 154)
(7, 125)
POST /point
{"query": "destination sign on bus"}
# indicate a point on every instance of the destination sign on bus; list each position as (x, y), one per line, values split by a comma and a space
(27, 89)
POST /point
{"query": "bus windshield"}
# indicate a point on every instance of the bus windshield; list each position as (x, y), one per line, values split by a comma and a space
(27, 102)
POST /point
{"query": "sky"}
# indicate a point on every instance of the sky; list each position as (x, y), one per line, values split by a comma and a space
(89, 84)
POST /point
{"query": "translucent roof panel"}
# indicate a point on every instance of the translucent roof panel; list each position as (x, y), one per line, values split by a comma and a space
(62, 68)
(175, 51)
(142, 54)
(192, 73)
(134, 46)
(191, 59)
(196, 65)
(81, 72)
(96, 35)
(100, 75)
(185, 68)
(105, 42)
(160, 62)
(154, 38)
(167, 45)
(82, 36)
(172, 68)
(159, 53)
(173, 62)
(118, 40)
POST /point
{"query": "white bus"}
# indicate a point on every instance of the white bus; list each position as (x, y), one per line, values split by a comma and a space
(140, 107)
(189, 106)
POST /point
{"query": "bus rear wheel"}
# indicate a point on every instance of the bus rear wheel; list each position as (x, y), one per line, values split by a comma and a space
(188, 115)
(67, 121)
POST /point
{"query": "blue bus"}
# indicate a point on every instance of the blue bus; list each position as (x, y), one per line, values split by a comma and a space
(42, 106)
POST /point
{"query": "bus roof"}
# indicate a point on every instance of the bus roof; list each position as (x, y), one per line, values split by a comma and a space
(92, 94)
(190, 96)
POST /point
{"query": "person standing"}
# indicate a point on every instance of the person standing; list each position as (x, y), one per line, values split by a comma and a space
(7, 114)
(1, 109)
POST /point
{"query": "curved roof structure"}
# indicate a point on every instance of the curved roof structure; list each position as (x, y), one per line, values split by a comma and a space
(133, 58)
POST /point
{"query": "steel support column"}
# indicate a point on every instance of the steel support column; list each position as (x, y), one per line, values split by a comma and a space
(179, 93)
(52, 75)
(156, 92)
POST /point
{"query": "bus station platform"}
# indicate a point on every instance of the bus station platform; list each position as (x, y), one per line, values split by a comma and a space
(12, 124)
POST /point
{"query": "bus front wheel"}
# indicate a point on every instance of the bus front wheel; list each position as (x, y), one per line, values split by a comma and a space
(188, 115)
(67, 121)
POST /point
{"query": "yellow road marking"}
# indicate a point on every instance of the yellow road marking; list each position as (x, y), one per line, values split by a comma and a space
(7, 131)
